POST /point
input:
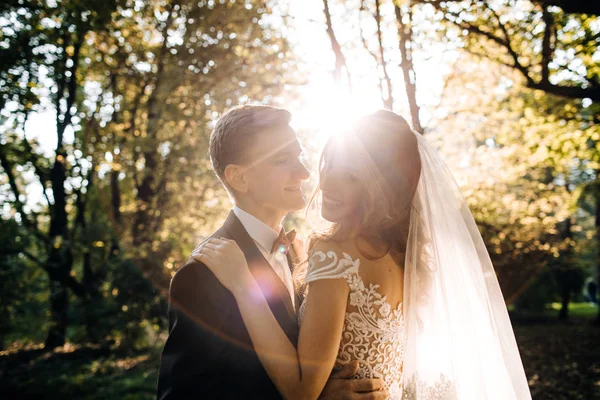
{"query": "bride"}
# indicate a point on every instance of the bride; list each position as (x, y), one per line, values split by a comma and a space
(401, 281)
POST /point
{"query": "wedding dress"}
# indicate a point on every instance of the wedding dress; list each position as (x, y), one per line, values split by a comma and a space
(373, 332)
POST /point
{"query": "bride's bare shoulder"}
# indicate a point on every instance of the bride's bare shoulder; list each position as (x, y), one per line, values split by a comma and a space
(328, 245)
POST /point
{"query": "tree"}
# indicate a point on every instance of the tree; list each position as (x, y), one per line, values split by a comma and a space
(387, 28)
(552, 48)
(62, 31)
(405, 39)
(340, 60)
(552, 45)
(135, 87)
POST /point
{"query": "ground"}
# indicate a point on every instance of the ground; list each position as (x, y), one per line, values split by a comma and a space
(561, 359)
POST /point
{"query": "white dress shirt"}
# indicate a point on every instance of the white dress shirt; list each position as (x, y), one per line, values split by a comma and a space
(264, 236)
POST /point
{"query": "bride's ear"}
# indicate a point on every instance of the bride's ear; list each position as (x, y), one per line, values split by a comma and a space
(235, 178)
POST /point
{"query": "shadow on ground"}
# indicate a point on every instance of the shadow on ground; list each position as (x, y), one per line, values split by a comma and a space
(562, 362)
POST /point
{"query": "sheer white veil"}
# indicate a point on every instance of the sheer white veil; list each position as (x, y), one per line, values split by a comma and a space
(460, 343)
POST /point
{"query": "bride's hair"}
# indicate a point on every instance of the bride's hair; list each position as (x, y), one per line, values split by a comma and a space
(385, 151)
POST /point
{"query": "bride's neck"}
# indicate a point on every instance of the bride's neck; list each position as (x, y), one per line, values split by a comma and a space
(371, 247)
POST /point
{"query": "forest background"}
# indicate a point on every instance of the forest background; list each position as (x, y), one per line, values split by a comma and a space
(106, 108)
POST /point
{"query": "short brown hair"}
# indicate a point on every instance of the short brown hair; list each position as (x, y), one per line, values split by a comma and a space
(236, 130)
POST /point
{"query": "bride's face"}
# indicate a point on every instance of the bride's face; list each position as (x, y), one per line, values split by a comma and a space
(340, 189)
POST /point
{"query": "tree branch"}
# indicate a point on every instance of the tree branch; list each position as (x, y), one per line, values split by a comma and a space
(13, 185)
(507, 44)
(69, 280)
(572, 92)
(72, 84)
(591, 88)
(574, 6)
(547, 45)
(38, 170)
(590, 7)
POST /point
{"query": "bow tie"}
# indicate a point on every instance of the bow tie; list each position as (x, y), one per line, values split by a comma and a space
(283, 242)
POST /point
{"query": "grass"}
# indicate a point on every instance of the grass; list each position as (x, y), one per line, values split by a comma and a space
(576, 310)
(90, 373)
(561, 360)
(584, 310)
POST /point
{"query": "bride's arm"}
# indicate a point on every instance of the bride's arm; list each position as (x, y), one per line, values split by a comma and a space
(302, 373)
(297, 373)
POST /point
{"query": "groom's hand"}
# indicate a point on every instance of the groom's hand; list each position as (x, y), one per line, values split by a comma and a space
(341, 386)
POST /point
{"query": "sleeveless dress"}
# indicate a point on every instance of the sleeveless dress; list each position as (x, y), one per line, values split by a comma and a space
(374, 331)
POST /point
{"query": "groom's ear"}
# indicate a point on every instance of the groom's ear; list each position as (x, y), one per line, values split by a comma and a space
(236, 178)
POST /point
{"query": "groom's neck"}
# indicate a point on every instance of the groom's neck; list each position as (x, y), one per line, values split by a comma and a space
(271, 217)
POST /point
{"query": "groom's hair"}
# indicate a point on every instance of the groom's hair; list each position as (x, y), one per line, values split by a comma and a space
(236, 131)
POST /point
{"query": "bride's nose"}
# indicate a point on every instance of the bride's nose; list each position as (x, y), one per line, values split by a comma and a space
(328, 181)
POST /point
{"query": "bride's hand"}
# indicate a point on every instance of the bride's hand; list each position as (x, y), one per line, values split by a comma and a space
(227, 262)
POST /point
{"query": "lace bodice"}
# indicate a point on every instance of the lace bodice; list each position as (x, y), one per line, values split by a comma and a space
(373, 332)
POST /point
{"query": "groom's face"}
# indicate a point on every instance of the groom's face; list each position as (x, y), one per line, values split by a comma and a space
(275, 172)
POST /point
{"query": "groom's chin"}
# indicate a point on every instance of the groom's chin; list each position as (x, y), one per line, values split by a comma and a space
(296, 202)
(299, 205)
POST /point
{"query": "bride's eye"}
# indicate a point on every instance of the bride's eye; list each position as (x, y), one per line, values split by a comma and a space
(351, 177)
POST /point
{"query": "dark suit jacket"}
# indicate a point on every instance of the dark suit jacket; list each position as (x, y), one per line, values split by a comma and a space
(209, 354)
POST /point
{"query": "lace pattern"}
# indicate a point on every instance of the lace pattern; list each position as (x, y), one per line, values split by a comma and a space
(373, 331)
(320, 267)
(440, 390)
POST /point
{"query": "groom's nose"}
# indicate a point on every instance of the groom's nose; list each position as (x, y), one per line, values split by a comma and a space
(301, 171)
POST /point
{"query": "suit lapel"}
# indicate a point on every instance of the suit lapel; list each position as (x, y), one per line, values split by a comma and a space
(272, 287)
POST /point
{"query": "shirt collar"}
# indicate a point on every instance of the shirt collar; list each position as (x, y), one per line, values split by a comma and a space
(263, 234)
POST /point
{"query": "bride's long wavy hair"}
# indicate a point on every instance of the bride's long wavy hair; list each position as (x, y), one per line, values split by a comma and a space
(384, 149)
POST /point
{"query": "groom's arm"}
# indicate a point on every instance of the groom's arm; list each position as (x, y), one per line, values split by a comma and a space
(192, 360)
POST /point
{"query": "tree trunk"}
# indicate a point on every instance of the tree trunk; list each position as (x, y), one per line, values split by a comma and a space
(115, 192)
(597, 223)
(88, 273)
(60, 259)
(388, 100)
(115, 197)
(59, 303)
(408, 70)
(340, 60)
(564, 277)
(91, 299)
(147, 188)
(565, 294)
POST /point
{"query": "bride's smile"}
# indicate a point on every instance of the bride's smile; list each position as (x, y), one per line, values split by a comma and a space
(329, 201)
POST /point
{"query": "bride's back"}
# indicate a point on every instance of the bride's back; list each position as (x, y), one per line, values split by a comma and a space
(374, 330)
(382, 272)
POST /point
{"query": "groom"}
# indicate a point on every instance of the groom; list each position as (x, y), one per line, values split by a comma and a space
(209, 354)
